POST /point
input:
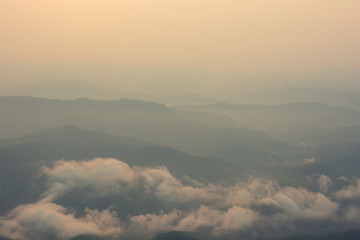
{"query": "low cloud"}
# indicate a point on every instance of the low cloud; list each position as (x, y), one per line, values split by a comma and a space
(147, 224)
(309, 160)
(106, 177)
(46, 220)
(352, 214)
(220, 222)
(322, 182)
(294, 202)
(350, 192)
(191, 205)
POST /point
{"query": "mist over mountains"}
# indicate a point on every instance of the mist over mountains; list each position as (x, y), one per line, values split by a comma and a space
(181, 86)
(179, 120)
(134, 169)
(346, 99)
(290, 122)
(83, 161)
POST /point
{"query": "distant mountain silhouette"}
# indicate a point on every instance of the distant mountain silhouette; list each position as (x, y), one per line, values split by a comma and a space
(194, 132)
(346, 99)
(291, 121)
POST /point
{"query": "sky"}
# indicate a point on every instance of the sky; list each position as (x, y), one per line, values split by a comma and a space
(226, 35)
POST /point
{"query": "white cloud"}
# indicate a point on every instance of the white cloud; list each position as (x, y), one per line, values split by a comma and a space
(324, 183)
(46, 220)
(301, 203)
(349, 192)
(232, 219)
(113, 177)
(193, 205)
(309, 160)
(147, 224)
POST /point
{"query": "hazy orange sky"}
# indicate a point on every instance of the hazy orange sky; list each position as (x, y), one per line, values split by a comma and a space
(225, 35)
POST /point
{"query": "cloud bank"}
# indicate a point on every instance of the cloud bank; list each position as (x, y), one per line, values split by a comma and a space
(350, 192)
(45, 220)
(190, 206)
